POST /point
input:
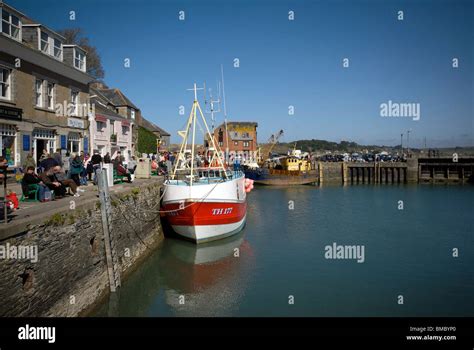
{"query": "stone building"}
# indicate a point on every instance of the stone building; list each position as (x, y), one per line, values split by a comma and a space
(236, 137)
(44, 92)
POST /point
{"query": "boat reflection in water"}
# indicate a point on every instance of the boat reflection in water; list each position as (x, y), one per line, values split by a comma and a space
(207, 280)
(185, 279)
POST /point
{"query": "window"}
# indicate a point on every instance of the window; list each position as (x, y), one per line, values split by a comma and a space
(58, 50)
(124, 130)
(246, 143)
(44, 42)
(112, 128)
(50, 95)
(39, 93)
(10, 25)
(5, 83)
(132, 114)
(99, 125)
(79, 60)
(236, 143)
(74, 102)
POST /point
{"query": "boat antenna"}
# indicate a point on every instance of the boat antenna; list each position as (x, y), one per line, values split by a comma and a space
(225, 113)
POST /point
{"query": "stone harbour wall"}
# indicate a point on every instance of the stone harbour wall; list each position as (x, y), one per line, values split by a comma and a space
(70, 274)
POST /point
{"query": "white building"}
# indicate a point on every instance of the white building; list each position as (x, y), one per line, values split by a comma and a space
(110, 132)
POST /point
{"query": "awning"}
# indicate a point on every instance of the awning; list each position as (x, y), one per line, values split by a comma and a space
(100, 118)
(125, 123)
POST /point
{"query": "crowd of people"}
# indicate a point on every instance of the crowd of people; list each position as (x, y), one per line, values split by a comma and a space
(56, 175)
(60, 174)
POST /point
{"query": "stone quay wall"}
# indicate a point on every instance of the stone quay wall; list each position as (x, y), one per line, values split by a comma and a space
(70, 274)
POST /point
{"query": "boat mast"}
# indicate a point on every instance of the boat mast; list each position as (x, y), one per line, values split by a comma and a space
(225, 116)
(191, 123)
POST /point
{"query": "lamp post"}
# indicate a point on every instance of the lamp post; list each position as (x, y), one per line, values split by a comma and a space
(408, 140)
(401, 143)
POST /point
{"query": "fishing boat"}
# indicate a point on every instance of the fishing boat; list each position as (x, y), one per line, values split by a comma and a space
(203, 203)
(292, 169)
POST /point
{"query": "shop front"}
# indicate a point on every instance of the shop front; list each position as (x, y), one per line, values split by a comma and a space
(8, 134)
(8, 142)
(43, 139)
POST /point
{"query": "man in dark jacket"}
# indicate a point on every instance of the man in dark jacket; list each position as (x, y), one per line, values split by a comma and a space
(107, 159)
(30, 178)
(48, 163)
(96, 161)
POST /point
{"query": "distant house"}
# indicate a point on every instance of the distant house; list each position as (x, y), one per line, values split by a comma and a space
(110, 132)
(116, 117)
(236, 136)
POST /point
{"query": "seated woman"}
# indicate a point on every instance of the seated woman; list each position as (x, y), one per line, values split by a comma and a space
(154, 165)
(30, 178)
(123, 172)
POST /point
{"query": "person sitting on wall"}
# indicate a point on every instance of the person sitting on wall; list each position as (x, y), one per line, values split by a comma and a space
(63, 180)
(48, 178)
(30, 178)
(120, 169)
(154, 165)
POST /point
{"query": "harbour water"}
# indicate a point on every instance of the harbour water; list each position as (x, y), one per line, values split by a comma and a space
(280, 257)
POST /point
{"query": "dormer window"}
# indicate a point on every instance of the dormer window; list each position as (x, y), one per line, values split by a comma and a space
(79, 60)
(11, 25)
(57, 49)
(132, 114)
(44, 44)
(50, 45)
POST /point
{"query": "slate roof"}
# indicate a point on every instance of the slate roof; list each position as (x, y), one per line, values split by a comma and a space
(153, 127)
(118, 98)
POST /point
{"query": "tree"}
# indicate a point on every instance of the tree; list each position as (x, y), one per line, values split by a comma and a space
(74, 36)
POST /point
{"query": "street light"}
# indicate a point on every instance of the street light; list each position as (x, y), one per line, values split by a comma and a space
(401, 143)
(408, 142)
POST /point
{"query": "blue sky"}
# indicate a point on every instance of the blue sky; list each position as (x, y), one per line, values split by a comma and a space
(285, 63)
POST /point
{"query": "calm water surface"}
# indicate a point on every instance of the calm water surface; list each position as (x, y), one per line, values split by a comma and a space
(281, 253)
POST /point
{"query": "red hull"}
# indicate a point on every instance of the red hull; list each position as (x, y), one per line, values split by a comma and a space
(205, 213)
